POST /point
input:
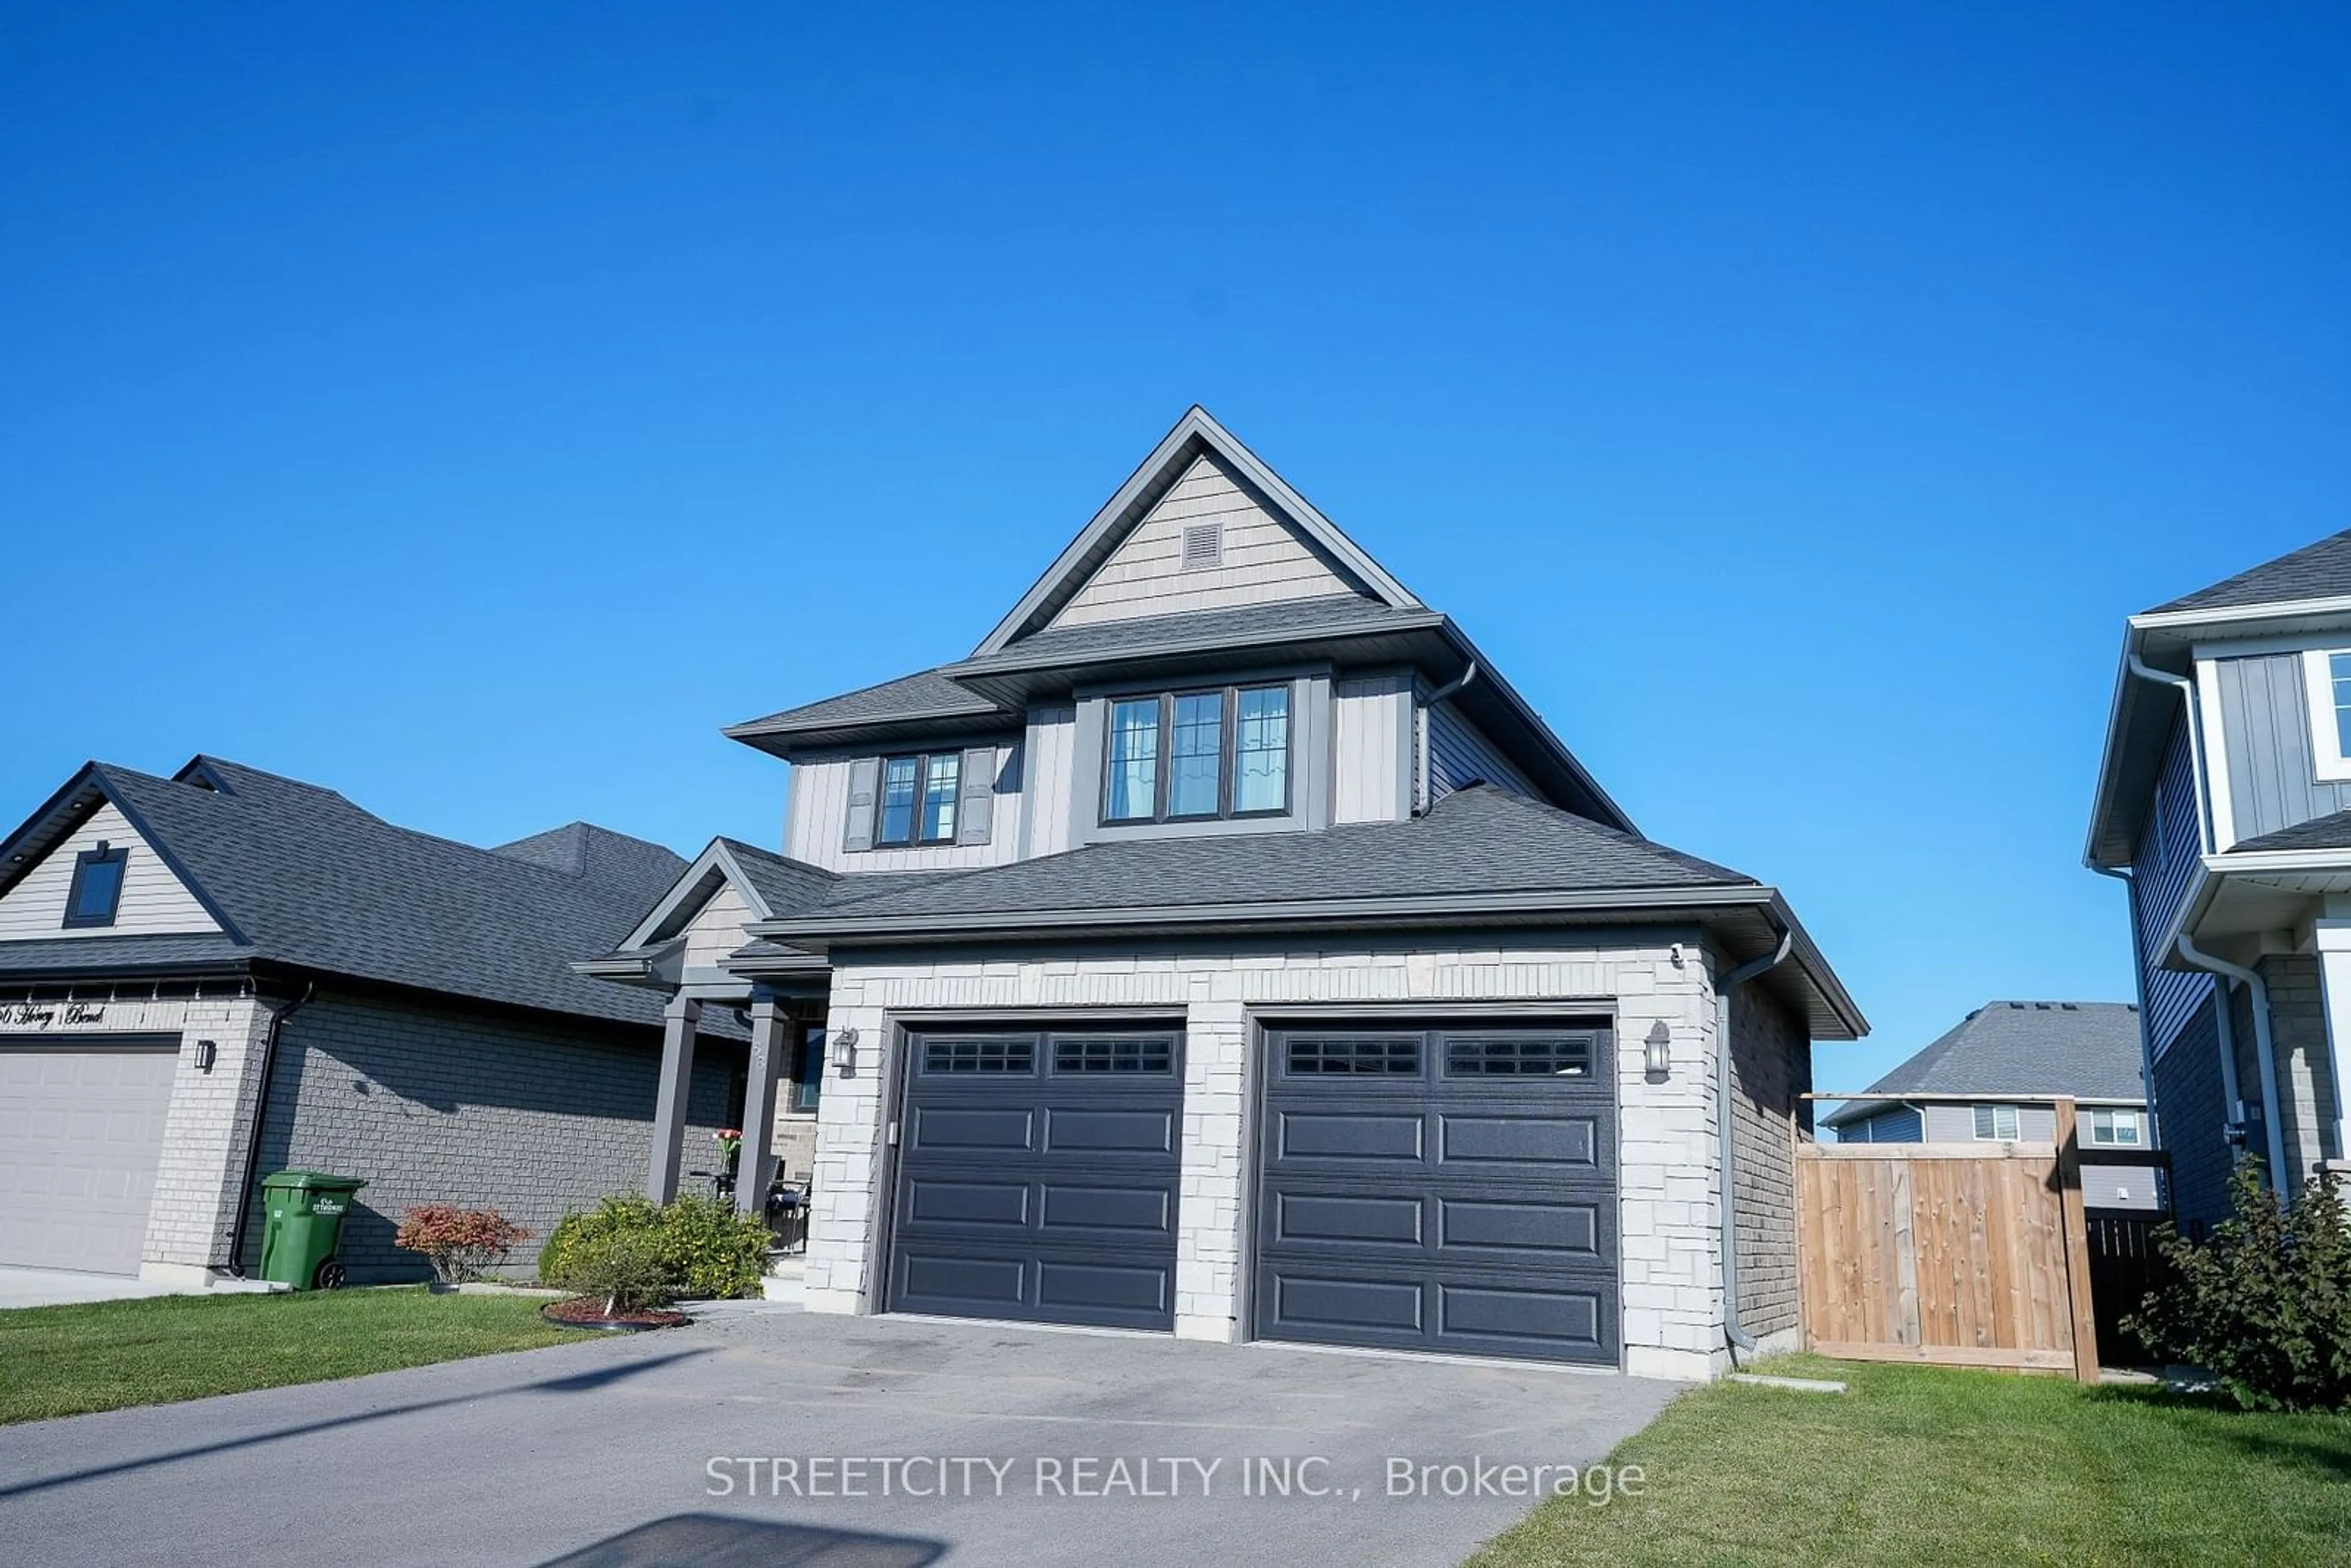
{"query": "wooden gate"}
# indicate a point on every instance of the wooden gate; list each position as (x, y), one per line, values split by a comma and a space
(1956, 1254)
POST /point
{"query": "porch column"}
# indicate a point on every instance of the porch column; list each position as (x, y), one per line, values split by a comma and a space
(2334, 942)
(678, 1022)
(770, 1049)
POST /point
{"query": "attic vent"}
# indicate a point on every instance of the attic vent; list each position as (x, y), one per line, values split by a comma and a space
(1204, 546)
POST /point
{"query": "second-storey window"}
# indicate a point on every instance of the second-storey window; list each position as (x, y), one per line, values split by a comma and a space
(918, 800)
(2326, 681)
(2115, 1129)
(1996, 1121)
(1199, 755)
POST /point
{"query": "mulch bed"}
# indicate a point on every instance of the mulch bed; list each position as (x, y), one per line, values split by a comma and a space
(587, 1312)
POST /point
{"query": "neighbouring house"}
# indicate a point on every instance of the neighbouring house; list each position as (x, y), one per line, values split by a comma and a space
(1995, 1077)
(222, 973)
(2224, 800)
(1224, 948)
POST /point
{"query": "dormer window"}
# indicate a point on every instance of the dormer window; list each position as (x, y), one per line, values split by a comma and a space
(918, 800)
(1198, 755)
(97, 891)
(2326, 681)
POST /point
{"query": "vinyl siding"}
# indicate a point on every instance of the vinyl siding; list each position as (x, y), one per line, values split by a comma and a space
(1373, 736)
(153, 900)
(1900, 1125)
(2169, 850)
(1459, 755)
(2265, 736)
(1049, 791)
(816, 818)
(1950, 1124)
(1264, 560)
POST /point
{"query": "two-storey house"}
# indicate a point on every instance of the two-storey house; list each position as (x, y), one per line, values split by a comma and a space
(1224, 948)
(2224, 800)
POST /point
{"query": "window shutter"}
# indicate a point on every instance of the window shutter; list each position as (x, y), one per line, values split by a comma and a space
(975, 809)
(864, 778)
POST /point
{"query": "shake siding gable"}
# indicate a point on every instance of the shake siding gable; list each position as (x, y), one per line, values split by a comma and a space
(154, 900)
(717, 929)
(1263, 560)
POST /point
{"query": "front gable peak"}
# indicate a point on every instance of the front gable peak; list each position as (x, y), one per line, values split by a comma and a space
(1203, 524)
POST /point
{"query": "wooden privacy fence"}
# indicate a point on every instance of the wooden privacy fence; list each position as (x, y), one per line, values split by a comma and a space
(1956, 1254)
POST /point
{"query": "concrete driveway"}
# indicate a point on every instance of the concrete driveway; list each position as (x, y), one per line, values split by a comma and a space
(1015, 1445)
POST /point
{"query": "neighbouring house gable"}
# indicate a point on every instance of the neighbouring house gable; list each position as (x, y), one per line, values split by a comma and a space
(1212, 542)
(153, 902)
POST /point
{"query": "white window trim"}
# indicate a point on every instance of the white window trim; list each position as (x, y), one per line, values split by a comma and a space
(2015, 1125)
(2325, 739)
(2111, 1118)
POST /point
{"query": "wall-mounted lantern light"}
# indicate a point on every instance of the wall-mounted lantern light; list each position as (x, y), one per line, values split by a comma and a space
(844, 1050)
(1658, 1054)
(207, 1052)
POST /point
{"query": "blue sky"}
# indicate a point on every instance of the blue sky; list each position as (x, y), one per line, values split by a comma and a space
(476, 408)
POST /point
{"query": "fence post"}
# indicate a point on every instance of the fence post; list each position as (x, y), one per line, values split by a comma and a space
(2077, 1246)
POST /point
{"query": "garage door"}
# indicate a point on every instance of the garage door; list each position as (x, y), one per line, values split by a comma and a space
(1445, 1188)
(81, 1125)
(1037, 1175)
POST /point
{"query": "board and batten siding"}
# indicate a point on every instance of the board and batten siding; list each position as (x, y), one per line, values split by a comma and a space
(816, 820)
(1263, 559)
(154, 900)
(2265, 736)
(2169, 850)
(717, 929)
(1049, 786)
(1459, 755)
(1372, 730)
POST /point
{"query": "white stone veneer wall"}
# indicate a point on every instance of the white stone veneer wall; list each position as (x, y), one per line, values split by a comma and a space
(1672, 1314)
(209, 1125)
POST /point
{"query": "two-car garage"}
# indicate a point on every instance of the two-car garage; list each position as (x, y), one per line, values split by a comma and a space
(1419, 1185)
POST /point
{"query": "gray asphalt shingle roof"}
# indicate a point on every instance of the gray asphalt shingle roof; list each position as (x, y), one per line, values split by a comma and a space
(311, 881)
(1474, 840)
(2321, 570)
(2088, 1050)
(1334, 613)
(2332, 832)
(924, 694)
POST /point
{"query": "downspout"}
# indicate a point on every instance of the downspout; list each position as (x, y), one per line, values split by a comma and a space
(235, 1264)
(2187, 690)
(1727, 1133)
(1450, 689)
(2264, 1050)
(2146, 1030)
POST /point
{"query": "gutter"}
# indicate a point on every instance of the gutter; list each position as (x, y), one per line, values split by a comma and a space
(1726, 1131)
(2186, 687)
(2264, 1050)
(234, 1266)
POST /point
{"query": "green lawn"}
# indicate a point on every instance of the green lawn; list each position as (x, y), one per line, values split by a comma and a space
(62, 1361)
(1949, 1468)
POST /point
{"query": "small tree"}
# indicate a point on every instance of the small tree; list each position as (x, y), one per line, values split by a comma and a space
(626, 1270)
(462, 1244)
(2265, 1304)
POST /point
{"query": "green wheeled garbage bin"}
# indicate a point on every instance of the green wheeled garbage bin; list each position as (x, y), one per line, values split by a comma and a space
(303, 1225)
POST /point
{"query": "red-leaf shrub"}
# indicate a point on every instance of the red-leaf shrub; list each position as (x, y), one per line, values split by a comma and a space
(461, 1243)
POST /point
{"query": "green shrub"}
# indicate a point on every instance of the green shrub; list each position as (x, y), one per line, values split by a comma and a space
(625, 1269)
(704, 1247)
(712, 1250)
(2265, 1305)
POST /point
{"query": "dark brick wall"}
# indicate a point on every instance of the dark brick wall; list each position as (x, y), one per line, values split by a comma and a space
(1771, 1064)
(439, 1103)
(2190, 1115)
